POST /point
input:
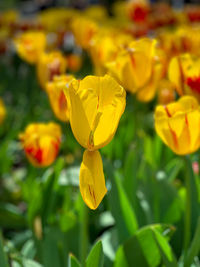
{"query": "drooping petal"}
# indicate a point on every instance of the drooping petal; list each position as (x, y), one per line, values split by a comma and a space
(92, 181)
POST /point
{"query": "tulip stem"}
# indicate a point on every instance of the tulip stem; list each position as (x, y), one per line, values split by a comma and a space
(188, 178)
(83, 233)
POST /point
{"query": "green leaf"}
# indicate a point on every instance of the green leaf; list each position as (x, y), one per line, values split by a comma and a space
(73, 262)
(28, 249)
(130, 175)
(3, 257)
(147, 248)
(95, 258)
(11, 216)
(165, 250)
(173, 168)
(121, 208)
(194, 248)
(31, 263)
(192, 209)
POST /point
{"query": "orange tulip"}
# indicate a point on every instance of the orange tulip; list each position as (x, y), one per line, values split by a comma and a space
(41, 143)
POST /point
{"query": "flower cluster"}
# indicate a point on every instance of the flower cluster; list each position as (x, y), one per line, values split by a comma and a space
(135, 51)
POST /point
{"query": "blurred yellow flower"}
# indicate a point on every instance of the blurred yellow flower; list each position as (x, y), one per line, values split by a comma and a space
(92, 181)
(178, 125)
(54, 19)
(96, 12)
(138, 68)
(49, 65)
(8, 17)
(184, 72)
(57, 98)
(182, 39)
(41, 143)
(30, 45)
(97, 104)
(2, 111)
(105, 46)
(166, 92)
(83, 30)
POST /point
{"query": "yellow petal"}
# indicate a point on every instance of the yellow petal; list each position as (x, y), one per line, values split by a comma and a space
(78, 116)
(188, 103)
(147, 93)
(193, 120)
(92, 181)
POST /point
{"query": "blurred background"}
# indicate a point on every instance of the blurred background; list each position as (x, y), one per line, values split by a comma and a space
(29, 6)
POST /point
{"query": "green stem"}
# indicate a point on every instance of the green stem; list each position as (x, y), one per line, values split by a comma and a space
(83, 234)
(188, 177)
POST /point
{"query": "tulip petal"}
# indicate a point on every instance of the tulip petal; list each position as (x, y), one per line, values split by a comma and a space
(188, 103)
(193, 120)
(112, 103)
(78, 120)
(92, 181)
(175, 75)
(147, 93)
(177, 123)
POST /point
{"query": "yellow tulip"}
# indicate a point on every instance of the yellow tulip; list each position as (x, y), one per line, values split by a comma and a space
(138, 68)
(57, 98)
(96, 105)
(178, 125)
(30, 45)
(55, 19)
(49, 65)
(41, 143)
(184, 72)
(83, 30)
(9, 17)
(2, 111)
(92, 181)
(105, 46)
(96, 12)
